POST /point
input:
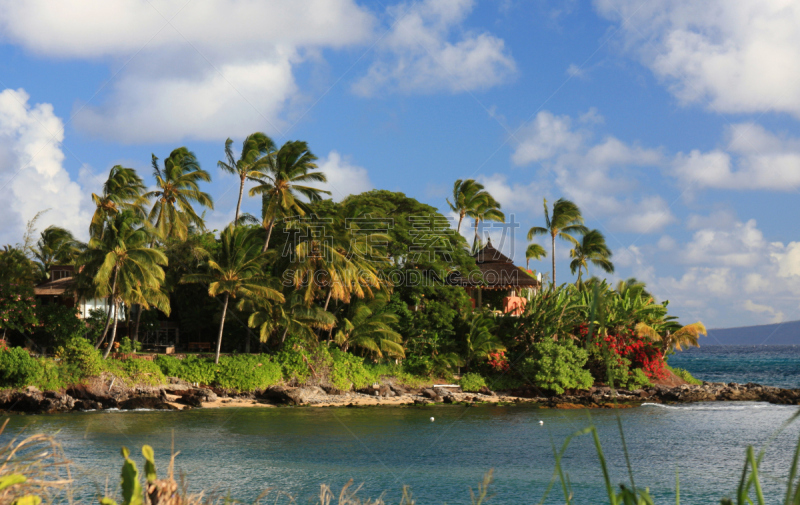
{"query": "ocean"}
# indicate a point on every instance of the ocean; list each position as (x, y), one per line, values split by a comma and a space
(242, 452)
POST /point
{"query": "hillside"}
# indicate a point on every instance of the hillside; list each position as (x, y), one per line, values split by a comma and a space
(787, 333)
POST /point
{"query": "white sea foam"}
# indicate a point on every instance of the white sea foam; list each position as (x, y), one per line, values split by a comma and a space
(712, 406)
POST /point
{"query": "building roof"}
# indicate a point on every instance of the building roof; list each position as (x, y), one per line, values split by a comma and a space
(57, 287)
(497, 271)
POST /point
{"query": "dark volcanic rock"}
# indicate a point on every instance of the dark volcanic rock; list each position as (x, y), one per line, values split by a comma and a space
(432, 394)
(141, 402)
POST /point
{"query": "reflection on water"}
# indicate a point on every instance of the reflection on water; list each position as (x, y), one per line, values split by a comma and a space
(244, 451)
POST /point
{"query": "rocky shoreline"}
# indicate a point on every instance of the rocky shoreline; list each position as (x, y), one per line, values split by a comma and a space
(101, 394)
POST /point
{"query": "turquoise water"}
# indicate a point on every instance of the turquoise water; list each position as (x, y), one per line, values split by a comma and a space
(244, 451)
(770, 365)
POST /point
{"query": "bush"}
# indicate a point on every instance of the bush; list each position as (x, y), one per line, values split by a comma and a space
(293, 365)
(127, 346)
(685, 375)
(348, 371)
(80, 356)
(141, 371)
(197, 369)
(18, 368)
(638, 379)
(472, 382)
(557, 366)
(418, 365)
(58, 325)
(170, 365)
(247, 372)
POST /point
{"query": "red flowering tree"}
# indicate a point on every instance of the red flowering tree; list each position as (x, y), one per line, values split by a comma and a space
(17, 308)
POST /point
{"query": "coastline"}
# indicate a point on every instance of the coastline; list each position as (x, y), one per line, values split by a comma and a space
(100, 394)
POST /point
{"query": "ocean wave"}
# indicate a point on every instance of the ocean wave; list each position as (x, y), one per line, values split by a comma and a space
(708, 406)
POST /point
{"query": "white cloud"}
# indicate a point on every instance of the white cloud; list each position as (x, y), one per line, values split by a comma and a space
(32, 177)
(775, 315)
(217, 69)
(420, 54)
(598, 176)
(727, 275)
(743, 245)
(741, 55)
(344, 178)
(753, 158)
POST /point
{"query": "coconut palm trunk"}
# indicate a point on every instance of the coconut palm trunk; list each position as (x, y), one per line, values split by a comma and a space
(239, 202)
(553, 240)
(113, 331)
(138, 319)
(270, 226)
(108, 317)
(106, 328)
(221, 327)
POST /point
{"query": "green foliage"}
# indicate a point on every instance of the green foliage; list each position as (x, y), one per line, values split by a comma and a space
(349, 371)
(418, 365)
(127, 346)
(638, 380)
(550, 314)
(81, 358)
(131, 487)
(557, 366)
(17, 307)
(197, 369)
(18, 368)
(247, 372)
(170, 365)
(59, 325)
(471, 382)
(685, 375)
(141, 371)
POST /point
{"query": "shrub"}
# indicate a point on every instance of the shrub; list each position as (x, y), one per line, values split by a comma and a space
(472, 382)
(638, 379)
(293, 366)
(247, 372)
(80, 356)
(18, 368)
(170, 365)
(348, 370)
(418, 365)
(58, 325)
(685, 375)
(197, 369)
(127, 346)
(557, 366)
(141, 371)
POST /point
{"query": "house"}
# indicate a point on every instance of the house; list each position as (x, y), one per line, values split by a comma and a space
(60, 288)
(499, 276)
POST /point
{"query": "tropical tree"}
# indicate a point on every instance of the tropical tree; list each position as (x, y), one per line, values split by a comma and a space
(282, 182)
(534, 252)
(687, 336)
(487, 210)
(56, 246)
(123, 190)
(124, 266)
(480, 341)
(16, 267)
(235, 270)
(293, 316)
(256, 151)
(178, 188)
(565, 220)
(591, 249)
(468, 196)
(369, 327)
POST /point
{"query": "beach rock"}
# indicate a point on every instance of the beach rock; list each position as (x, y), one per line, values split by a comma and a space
(87, 405)
(141, 402)
(333, 390)
(432, 394)
(398, 390)
(191, 399)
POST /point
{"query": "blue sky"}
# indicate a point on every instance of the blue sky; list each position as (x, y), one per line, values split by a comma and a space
(673, 125)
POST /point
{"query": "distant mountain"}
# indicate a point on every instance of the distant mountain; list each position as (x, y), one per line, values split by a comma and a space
(768, 334)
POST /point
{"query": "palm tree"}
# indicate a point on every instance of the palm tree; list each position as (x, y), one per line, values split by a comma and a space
(124, 266)
(591, 249)
(480, 339)
(235, 271)
(566, 219)
(294, 316)
(56, 246)
(687, 336)
(122, 190)
(178, 188)
(369, 326)
(283, 181)
(488, 209)
(468, 195)
(534, 252)
(256, 151)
